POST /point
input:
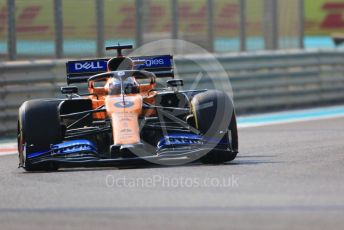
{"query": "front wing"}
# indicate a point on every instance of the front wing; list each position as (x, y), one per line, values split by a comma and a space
(171, 150)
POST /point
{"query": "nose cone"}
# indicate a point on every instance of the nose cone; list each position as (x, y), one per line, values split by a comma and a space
(124, 112)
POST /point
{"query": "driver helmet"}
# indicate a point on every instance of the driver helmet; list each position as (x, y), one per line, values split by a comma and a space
(120, 63)
(130, 86)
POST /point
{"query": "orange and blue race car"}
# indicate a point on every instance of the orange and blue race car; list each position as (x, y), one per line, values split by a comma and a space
(125, 119)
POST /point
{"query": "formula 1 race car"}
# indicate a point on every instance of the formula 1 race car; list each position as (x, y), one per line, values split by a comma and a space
(124, 119)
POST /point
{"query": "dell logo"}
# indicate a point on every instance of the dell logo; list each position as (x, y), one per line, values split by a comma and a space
(88, 66)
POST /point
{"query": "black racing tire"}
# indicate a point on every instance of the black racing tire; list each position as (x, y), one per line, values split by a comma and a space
(214, 114)
(38, 127)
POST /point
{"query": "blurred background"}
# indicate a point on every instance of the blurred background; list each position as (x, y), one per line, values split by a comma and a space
(75, 28)
(279, 54)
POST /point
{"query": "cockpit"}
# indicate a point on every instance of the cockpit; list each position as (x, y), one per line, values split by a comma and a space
(128, 86)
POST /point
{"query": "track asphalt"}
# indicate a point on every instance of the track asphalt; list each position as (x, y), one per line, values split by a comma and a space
(287, 176)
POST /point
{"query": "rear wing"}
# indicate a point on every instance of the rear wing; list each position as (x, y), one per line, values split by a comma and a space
(81, 71)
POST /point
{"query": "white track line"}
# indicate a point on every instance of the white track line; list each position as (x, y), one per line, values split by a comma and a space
(7, 149)
(253, 125)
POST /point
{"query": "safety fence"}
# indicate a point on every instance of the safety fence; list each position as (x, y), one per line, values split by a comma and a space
(71, 28)
(263, 81)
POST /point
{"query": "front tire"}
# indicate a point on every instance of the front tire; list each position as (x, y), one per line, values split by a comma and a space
(38, 128)
(215, 118)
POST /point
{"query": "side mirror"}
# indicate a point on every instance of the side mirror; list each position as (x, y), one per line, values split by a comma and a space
(69, 90)
(175, 83)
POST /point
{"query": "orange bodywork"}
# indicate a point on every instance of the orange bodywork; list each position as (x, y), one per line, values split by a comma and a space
(124, 111)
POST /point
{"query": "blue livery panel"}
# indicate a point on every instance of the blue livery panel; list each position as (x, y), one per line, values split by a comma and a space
(67, 148)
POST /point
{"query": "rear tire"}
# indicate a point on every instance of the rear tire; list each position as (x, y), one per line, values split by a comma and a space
(38, 128)
(214, 114)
